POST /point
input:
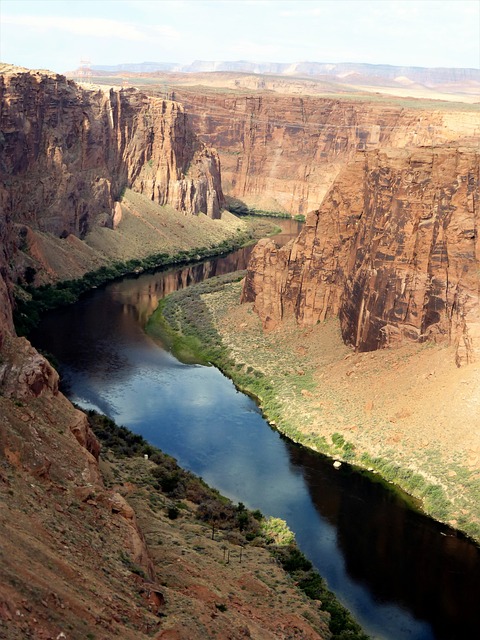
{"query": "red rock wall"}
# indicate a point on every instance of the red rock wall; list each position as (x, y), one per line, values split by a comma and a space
(6, 322)
(66, 153)
(280, 151)
(393, 251)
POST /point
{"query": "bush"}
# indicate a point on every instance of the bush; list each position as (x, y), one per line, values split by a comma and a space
(341, 623)
(236, 206)
(277, 531)
(173, 512)
(292, 560)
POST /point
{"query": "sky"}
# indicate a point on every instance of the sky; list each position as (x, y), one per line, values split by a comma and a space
(58, 34)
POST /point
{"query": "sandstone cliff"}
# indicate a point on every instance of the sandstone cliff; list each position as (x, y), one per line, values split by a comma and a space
(67, 153)
(282, 152)
(393, 251)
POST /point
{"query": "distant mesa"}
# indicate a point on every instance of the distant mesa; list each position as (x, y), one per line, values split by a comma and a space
(377, 73)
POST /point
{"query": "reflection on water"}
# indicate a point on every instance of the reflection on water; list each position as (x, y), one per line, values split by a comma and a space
(140, 296)
(402, 575)
(402, 556)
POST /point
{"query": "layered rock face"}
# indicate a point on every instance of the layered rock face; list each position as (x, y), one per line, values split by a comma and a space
(67, 152)
(283, 152)
(393, 251)
(6, 323)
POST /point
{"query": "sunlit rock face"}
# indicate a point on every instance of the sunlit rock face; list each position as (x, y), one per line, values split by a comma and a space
(393, 251)
(67, 152)
(283, 152)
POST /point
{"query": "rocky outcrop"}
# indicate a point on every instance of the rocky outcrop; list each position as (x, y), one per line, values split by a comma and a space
(26, 373)
(393, 251)
(282, 152)
(6, 322)
(67, 153)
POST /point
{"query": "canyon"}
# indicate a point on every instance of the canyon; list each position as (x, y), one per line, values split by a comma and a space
(68, 154)
(390, 248)
(391, 243)
(89, 177)
(282, 152)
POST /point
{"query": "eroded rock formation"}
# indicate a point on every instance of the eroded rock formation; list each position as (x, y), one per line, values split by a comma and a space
(283, 152)
(67, 152)
(393, 251)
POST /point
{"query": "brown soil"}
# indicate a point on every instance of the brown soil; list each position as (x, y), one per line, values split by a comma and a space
(214, 588)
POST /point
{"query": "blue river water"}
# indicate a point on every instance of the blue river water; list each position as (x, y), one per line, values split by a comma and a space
(402, 575)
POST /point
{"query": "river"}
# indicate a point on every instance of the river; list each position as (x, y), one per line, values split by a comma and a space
(402, 575)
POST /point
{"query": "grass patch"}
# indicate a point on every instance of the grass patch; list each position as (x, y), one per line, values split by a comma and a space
(184, 324)
(419, 489)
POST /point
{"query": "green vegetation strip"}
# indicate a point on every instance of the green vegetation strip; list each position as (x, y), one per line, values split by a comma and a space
(220, 513)
(239, 208)
(184, 323)
(31, 302)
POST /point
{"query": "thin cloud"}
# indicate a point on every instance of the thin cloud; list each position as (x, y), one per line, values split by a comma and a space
(254, 49)
(294, 13)
(152, 6)
(92, 27)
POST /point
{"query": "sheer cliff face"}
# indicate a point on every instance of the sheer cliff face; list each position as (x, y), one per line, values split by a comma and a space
(393, 251)
(6, 323)
(67, 152)
(283, 152)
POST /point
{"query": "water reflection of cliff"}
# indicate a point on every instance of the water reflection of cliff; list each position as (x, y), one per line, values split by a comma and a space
(140, 296)
(383, 548)
(90, 336)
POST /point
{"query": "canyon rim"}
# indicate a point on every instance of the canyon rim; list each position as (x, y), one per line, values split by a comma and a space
(91, 175)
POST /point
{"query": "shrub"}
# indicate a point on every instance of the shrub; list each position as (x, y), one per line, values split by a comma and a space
(236, 206)
(173, 512)
(277, 531)
(341, 623)
(338, 440)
